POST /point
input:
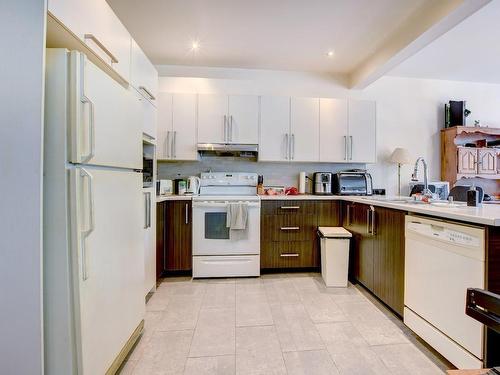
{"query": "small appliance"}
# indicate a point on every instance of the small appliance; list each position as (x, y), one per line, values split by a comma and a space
(193, 185)
(180, 186)
(165, 187)
(352, 182)
(323, 183)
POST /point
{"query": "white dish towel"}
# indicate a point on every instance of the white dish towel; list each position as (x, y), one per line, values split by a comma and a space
(237, 216)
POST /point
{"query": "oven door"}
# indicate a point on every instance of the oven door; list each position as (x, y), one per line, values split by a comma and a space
(212, 237)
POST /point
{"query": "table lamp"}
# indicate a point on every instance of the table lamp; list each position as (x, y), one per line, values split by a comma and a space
(400, 156)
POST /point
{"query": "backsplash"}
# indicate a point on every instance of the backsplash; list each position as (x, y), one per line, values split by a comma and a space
(274, 173)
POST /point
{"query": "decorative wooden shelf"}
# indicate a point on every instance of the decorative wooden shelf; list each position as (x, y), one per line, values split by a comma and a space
(458, 161)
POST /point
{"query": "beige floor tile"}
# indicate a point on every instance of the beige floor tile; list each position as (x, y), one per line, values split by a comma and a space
(127, 368)
(349, 350)
(252, 307)
(295, 329)
(380, 332)
(321, 308)
(281, 291)
(158, 301)
(317, 362)
(151, 321)
(181, 314)
(165, 354)
(406, 359)
(220, 365)
(219, 295)
(214, 333)
(258, 351)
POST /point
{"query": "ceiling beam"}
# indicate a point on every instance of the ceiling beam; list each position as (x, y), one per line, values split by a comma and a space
(421, 29)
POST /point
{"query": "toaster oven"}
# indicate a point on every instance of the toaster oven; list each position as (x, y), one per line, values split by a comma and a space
(352, 183)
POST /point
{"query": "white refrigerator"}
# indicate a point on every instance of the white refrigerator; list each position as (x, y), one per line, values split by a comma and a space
(93, 217)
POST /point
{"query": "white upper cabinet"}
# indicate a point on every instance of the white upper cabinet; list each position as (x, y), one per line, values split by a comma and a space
(304, 129)
(164, 125)
(333, 130)
(212, 118)
(176, 127)
(148, 114)
(243, 119)
(184, 127)
(274, 128)
(362, 131)
(95, 23)
(228, 119)
(143, 74)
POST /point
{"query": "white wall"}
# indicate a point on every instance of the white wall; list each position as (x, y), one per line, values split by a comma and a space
(409, 111)
(22, 37)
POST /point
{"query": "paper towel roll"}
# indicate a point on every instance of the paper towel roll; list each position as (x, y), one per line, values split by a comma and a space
(302, 182)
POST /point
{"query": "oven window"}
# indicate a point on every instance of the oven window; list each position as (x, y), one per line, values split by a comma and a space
(215, 226)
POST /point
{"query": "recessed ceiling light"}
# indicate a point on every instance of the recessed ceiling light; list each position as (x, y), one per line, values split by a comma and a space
(330, 53)
(195, 45)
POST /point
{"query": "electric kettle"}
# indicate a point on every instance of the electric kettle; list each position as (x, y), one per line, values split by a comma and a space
(193, 185)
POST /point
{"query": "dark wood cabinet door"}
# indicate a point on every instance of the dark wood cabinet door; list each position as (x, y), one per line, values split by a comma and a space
(178, 236)
(363, 245)
(160, 239)
(328, 213)
(388, 250)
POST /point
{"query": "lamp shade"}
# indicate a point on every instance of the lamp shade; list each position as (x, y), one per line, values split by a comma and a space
(401, 156)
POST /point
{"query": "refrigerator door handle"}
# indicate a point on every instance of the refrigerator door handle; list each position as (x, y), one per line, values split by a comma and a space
(146, 219)
(85, 174)
(167, 145)
(91, 129)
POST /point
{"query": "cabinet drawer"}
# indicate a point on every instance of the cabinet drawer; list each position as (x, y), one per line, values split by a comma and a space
(294, 254)
(288, 207)
(288, 228)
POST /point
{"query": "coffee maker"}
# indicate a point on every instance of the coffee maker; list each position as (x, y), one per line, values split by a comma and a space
(323, 183)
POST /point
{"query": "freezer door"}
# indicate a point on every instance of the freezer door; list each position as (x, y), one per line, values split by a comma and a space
(108, 270)
(105, 122)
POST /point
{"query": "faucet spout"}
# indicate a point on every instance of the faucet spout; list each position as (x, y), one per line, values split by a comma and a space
(414, 176)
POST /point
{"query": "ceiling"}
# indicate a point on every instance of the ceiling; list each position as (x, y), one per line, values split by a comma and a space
(468, 52)
(265, 34)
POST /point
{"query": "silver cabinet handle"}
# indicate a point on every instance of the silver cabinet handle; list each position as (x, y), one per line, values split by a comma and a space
(348, 214)
(350, 148)
(148, 93)
(372, 210)
(287, 147)
(187, 213)
(93, 38)
(171, 152)
(290, 207)
(145, 210)
(289, 228)
(345, 149)
(91, 226)
(225, 128)
(167, 145)
(289, 255)
(293, 146)
(368, 217)
(174, 145)
(231, 128)
(91, 129)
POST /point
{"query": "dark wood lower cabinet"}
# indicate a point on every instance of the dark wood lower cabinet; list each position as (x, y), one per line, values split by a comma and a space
(377, 250)
(174, 237)
(289, 232)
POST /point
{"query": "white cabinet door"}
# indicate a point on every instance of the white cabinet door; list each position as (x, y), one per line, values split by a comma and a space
(149, 240)
(184, 127)
(304, 129)
(243, 119)
(108, 262)
(95, 23)
(274, 128)
(212, 118)
(106, 127)
(333, 130)
(148, 115)
(164, 126)
(143, 74)
(362, 131)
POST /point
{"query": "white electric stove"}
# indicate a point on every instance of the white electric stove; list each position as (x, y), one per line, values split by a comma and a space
(219, 251)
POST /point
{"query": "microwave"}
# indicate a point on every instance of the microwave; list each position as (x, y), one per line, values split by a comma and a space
(352, 183)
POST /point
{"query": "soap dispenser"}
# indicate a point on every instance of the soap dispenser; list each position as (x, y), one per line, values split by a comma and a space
(472, 196)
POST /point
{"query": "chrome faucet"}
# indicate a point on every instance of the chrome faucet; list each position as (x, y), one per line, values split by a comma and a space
(414, 176)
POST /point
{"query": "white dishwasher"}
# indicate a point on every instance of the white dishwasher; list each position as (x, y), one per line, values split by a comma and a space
(442, 260)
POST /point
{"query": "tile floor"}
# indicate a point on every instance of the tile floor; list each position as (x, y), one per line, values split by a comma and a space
(276, 324)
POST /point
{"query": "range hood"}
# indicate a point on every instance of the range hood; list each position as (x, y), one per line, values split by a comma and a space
(249, 151)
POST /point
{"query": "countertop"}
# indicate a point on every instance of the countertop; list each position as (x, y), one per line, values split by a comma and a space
(485, 214)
